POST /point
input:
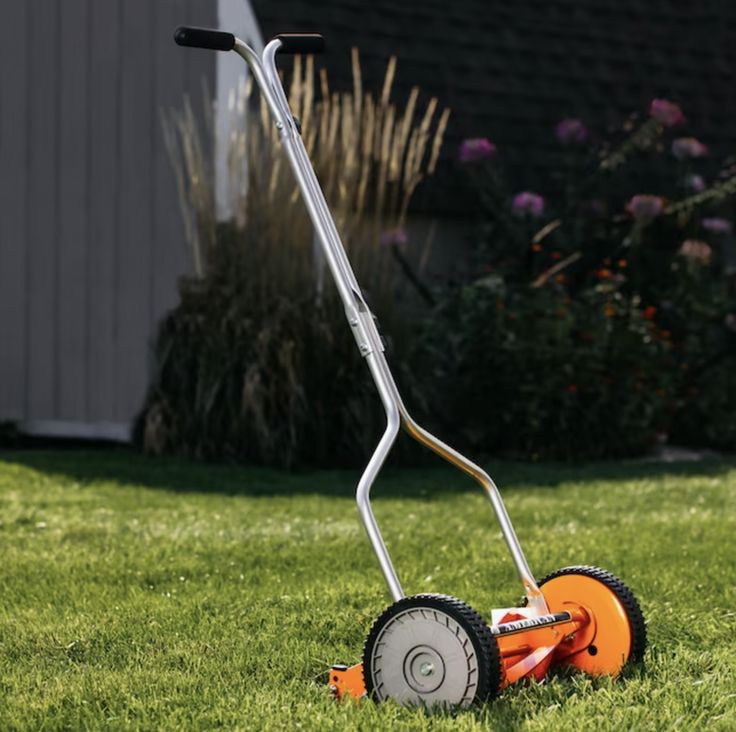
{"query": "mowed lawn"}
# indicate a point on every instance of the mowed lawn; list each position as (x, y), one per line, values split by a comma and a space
(159, 594)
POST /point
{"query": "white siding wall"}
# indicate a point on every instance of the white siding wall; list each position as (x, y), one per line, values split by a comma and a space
(91, 244)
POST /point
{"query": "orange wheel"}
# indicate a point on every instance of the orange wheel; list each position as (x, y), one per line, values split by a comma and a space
(616, 632)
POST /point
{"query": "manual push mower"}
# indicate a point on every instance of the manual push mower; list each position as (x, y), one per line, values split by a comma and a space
(434, 650)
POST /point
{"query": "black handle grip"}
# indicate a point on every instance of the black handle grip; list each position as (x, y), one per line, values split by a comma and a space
(301, 43)
(215, 40)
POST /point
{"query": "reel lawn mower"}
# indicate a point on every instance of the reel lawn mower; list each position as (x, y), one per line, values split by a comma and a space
(434, 650)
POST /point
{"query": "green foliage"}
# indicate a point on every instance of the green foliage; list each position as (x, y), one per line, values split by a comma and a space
(162, 594)
(593, 322)
(542, 374)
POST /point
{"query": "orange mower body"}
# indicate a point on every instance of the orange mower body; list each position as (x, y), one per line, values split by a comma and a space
(596, 635)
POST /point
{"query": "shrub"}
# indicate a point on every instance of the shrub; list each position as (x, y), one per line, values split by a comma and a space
(593, 321)
(257, 361)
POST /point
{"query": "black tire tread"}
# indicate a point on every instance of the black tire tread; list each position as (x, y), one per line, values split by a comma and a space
(490, 669)
(625, 596)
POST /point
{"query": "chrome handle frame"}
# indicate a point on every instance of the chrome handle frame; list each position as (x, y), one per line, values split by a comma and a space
(368, 339)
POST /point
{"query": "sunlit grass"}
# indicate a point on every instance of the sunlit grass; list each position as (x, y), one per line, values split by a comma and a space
(158, 594)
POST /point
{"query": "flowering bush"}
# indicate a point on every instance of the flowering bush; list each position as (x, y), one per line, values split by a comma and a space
(596, 318)
(544, 375)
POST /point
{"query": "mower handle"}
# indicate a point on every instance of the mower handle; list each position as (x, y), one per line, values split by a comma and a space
(214, 40)
(301, 43)
(359, 316)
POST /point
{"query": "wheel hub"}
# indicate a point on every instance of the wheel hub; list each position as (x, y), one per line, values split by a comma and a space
(424, 669)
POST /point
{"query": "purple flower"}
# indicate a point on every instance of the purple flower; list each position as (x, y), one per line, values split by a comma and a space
(695, 183)
(393, 238)
(571, 131)
(474, 149)
(688, 147)
(527, 203)
(696, 250)
(644, 207)
(596, 207)
(717, 226)
(667, 113)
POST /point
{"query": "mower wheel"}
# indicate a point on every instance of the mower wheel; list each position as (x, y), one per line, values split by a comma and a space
(616, 633)
(431, 651)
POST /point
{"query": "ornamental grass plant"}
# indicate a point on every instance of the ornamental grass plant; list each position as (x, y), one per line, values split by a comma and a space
(257, 362)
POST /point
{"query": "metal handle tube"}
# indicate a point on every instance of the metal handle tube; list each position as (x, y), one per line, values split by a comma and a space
(531, 589)
(306, 170)
(346, 282)
(283, 121)
(349, 290)
(363, 493)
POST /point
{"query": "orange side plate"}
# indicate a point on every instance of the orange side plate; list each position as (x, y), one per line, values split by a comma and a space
(347, 681)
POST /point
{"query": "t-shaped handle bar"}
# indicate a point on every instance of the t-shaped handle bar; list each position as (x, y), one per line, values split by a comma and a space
(216, 40)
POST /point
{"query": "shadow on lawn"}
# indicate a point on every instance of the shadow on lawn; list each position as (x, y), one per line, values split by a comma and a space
(122, 465)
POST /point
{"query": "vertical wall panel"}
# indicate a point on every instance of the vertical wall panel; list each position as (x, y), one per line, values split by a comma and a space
(73, 185)
(13, 191)
(42, 214)
(170, 251)
(104, 134)
(91, 242)
(135, 203)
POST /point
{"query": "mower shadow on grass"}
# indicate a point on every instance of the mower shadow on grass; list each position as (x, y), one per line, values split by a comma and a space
(124, 466)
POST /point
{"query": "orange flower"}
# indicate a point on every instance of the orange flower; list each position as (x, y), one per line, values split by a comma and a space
(560, 279)
(623, 264)
(609, 309)
(536, 246)
(649, 312)
(603, 273)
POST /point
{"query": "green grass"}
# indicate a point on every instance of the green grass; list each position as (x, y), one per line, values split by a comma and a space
(158, 594)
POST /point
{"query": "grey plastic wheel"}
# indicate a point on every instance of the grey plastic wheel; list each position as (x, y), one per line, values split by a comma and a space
(433, 651)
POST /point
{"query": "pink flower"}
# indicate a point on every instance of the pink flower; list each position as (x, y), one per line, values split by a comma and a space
(474, 149)
(667, 113)
(688, 147)
(527, 203)
(717, 226)
(696, 250)
(393, 238)
(644, 207)
(571, 131)
(695, 183)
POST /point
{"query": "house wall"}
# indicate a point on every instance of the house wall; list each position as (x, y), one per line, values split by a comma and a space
(91, 243)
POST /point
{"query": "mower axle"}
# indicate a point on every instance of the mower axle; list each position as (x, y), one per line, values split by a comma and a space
(519, 626)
